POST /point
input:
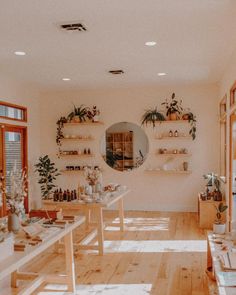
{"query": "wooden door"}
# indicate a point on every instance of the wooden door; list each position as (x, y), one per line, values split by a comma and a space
(13, 151)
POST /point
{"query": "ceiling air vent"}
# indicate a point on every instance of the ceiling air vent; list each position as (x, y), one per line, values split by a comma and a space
(116, 72)
(73, 27)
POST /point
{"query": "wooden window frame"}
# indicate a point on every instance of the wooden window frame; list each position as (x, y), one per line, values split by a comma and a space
(24, 157)
(11, 105)
(232, 92)
(223, 112)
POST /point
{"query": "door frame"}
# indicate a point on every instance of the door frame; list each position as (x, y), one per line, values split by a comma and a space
(24, 158)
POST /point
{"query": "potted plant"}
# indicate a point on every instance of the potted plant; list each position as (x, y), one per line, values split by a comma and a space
(47, 175)
(214, 181)
(173, 107)
(192, 121)
(79, 114)
(219, 225)
(15, 197)
(152, 116)
(93, 114)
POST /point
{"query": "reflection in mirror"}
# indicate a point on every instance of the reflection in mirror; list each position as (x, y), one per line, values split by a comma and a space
(124, 146)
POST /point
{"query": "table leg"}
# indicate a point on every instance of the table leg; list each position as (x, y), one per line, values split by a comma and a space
(14, 279)
(70, 266)
(99, 216)
(121, 213)
(87, 218)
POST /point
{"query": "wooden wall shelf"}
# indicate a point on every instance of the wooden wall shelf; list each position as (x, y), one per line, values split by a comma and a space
(83, 124)
(174, 155)
(168, 171)
(173, 137)
(71, 171)
(174, 121)
(77, 139)
(78, 156)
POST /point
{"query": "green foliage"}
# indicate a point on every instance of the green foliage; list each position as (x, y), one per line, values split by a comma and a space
(173, 106)
(152, 116)
(47, 175)
(212, 180)
(80, 112)
(192, 121)
(219, 210)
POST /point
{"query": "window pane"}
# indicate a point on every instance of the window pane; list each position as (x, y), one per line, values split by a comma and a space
(13, 152)
(12, 112)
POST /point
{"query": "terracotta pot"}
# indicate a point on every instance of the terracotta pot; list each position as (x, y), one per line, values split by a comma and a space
(185, 117)
(173, 116)
(13, 223)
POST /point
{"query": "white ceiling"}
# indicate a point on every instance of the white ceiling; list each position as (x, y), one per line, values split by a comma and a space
(195, 40)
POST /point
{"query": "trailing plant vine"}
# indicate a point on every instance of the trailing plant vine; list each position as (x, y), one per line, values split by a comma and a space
(79, 115)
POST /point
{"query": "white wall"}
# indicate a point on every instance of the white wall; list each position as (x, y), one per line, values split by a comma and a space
(148, 191)
(21, 94)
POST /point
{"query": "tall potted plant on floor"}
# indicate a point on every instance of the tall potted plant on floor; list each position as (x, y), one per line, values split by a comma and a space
(47, 176)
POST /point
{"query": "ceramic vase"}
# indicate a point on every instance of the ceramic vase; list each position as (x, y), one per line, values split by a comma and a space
(96, 118)
(219, 228)
(13, 223)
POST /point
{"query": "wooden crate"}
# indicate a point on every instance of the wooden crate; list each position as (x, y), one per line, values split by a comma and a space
(207, 213)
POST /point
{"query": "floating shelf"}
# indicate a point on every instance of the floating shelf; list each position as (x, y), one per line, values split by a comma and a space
(84, 123)
(77, 139)
(173, 137)
(71, 171)
(175, 155)
(173, 121)
(168, 171)
(77, 156)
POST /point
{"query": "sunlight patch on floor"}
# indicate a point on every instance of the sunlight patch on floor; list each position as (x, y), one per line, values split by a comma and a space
(142, 224)
(111, 289)
(151, 246)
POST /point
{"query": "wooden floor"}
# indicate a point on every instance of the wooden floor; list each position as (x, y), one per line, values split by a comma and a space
(159, 253)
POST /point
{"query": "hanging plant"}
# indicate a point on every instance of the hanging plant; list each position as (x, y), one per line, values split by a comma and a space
(192, 121)
(60, 125)
(152, 116)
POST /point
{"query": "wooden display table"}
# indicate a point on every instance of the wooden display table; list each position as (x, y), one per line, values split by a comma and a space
(97, 208)
(207, 212)
(214, 249)
(12, 264)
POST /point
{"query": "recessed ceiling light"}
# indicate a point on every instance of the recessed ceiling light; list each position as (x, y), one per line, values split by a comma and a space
(162, 74)
(150, 43)
(19, 53)
(66, 79)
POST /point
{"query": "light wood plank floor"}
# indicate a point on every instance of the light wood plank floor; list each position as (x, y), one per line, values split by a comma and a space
(159, 253)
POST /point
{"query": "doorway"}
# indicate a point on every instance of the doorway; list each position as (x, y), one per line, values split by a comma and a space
(13, 152)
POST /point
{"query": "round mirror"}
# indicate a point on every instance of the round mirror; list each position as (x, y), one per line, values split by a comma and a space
(124, 146)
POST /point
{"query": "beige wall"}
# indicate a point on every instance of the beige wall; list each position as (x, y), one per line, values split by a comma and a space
(148, 191)
(21, 94)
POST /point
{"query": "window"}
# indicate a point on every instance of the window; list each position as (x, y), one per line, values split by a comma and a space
(223, 138)
(13, 112)
(233, 95)
(13, 151)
